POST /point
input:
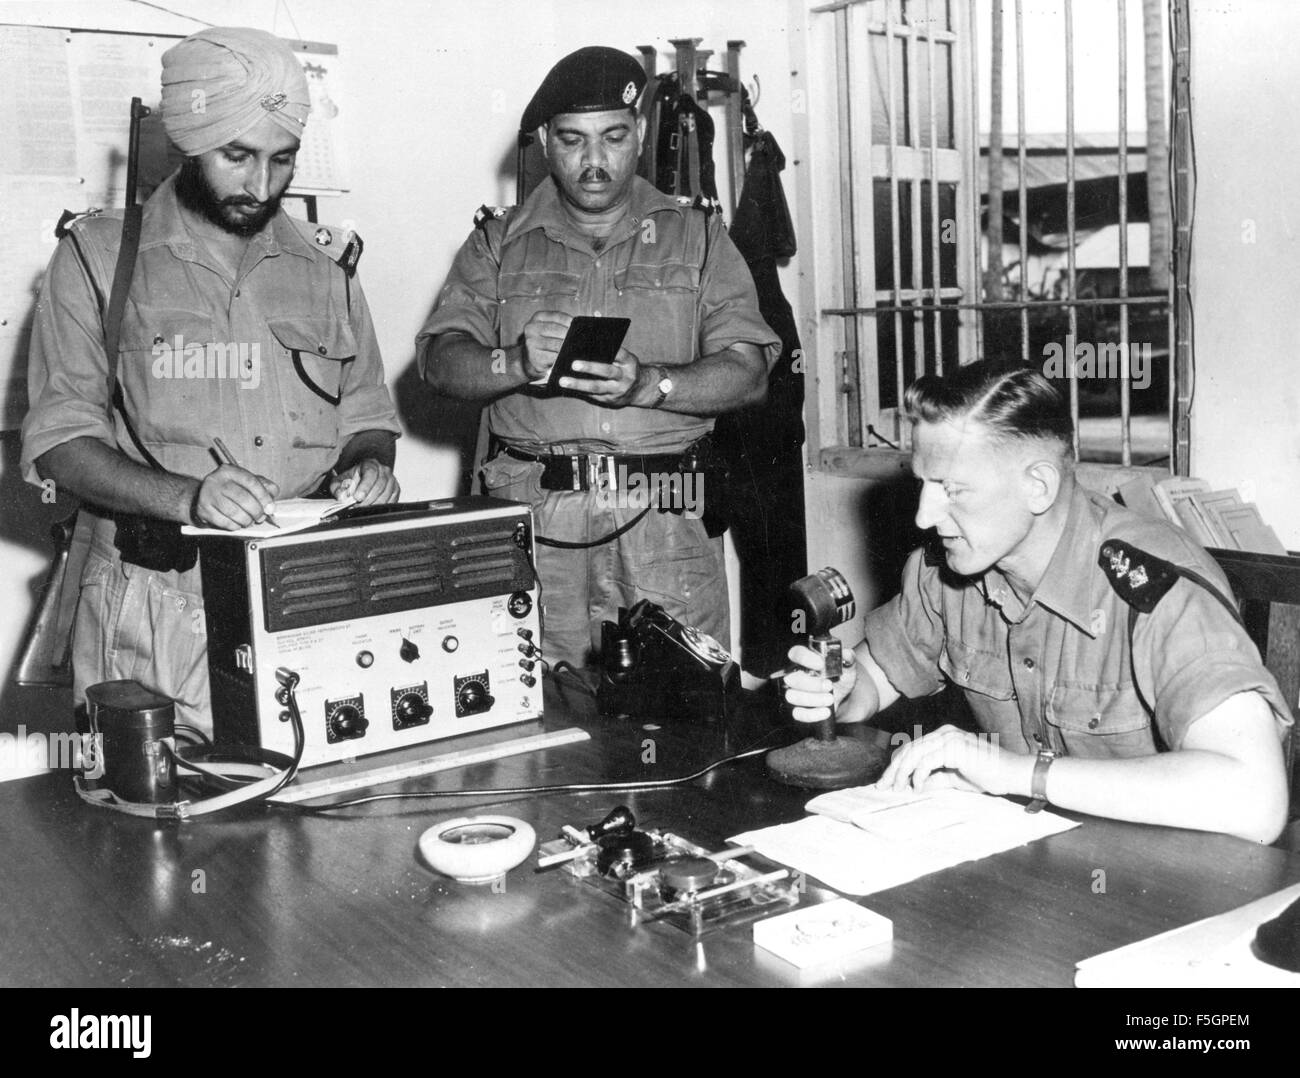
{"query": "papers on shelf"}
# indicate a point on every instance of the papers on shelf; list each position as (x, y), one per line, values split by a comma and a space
(864, 840)
(1213, 953)
(292, 514)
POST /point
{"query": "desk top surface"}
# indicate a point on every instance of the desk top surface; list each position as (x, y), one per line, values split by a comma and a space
(94, 898)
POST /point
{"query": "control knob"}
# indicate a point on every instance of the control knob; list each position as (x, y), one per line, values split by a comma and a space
(472, 698)
(346, 722)
(413, 709)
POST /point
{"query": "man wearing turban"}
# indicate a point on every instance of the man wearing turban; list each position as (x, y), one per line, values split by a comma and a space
(596, 239)
(242, 325)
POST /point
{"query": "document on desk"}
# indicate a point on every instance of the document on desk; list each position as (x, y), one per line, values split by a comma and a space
(1213, 953)
(864, 840)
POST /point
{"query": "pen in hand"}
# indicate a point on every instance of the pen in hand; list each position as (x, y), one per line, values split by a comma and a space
(227, 457)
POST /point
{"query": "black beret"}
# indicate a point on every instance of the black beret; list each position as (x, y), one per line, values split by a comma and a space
(594, 79)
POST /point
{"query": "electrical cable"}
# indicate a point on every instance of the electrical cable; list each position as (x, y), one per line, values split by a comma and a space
(274, 783)
(194, 733)
(534, 791)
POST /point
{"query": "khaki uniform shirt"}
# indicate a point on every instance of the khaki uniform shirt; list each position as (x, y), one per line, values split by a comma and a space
(1058, 672)
(258, 362)
(652, 270)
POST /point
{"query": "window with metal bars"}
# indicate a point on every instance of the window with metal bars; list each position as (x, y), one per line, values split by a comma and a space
(1009, 201)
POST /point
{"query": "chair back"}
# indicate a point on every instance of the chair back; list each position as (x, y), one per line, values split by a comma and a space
(1267, 587)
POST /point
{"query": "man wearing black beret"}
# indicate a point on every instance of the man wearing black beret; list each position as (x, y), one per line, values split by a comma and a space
(598, 240)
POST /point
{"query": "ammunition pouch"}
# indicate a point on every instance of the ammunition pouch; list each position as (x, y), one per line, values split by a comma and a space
(154, 544)
(704, 458)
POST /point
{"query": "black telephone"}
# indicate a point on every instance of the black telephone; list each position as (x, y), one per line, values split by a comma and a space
(653, 666)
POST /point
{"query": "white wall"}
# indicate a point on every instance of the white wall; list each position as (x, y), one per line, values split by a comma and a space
(431, 97)
(1246, 254)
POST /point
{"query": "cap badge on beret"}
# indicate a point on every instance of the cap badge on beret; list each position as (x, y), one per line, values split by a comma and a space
(274, 102)
(593, 79)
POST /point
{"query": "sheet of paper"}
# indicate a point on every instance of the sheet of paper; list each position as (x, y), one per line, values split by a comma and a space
(895, 838)
(37, 123)
(291, 514)
(107, 70)
(1213, 953)
(320, 161)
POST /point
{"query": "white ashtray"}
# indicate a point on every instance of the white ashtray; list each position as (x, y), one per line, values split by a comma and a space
(477, 849)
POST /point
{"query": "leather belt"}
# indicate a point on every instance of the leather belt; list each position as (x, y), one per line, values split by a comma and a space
(583, 471)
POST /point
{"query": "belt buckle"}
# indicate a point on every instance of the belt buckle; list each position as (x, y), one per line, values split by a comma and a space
(574, 462)
(596, 463)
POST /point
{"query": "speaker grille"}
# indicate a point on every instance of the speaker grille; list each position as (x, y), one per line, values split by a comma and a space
(360, 573)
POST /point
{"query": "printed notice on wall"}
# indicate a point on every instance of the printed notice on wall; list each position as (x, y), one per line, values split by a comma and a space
(319, 168)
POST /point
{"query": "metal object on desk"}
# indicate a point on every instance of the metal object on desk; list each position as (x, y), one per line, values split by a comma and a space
(665, 877)
(406, 624)
(133, 733)
(825, 761)
(651, 665)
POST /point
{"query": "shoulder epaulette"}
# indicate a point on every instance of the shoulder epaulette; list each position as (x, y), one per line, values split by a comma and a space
(342, 245)
(68, 219)
(706, 205)
(1139, 578)
(485, 213)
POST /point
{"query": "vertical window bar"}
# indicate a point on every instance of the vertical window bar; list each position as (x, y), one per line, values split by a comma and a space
(1072, 291)
(1125, 402)
(1181, 385)
(1022, 189)
(861, 73)
(973, 153)
(997, 69)
(851, 413)
(915, 172)
(891, 110)
(936, 280)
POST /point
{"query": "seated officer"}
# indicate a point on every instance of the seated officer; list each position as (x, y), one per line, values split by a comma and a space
(1098, 649)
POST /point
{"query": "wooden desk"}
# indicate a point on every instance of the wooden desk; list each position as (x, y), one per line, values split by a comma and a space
(93, 898)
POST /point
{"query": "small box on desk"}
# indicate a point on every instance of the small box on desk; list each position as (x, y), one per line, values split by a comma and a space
(816, 934)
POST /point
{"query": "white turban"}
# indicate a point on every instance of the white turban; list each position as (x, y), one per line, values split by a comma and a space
(220, 82)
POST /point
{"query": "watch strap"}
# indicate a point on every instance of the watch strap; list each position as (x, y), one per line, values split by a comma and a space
(1038, 783)
(661, 394)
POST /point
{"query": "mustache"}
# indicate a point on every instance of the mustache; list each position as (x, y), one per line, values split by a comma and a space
(594, 175)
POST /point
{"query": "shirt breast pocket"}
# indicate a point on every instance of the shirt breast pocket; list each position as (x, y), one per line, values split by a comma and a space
(968, 668)
(661, 302)
(170, 370)
(1100, 721)
(523, 294)
(317, 350)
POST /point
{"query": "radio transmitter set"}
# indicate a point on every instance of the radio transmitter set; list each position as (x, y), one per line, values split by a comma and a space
(405, 624)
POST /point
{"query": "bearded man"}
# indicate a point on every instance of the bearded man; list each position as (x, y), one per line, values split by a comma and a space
(244, 335)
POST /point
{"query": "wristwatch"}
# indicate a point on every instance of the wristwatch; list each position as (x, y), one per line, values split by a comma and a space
(1038, 784)
(664, 386)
